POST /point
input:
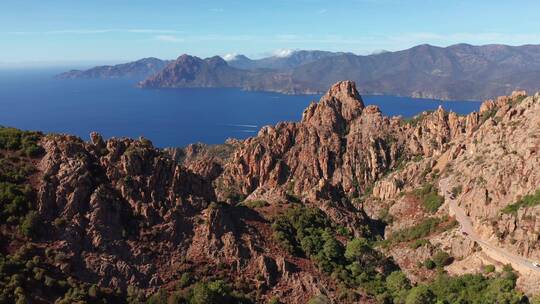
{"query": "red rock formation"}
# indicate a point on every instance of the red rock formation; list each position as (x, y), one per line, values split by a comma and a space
(126, 213)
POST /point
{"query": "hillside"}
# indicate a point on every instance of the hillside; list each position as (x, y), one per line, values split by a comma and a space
(139, 69)
(456, 72)
(345, 206)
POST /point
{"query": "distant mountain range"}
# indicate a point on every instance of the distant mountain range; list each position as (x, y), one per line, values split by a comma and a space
(281, 63)
(139, 69)
(457, 72)
(190, 71)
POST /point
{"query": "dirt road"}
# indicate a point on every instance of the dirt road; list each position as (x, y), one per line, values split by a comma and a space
(501, 255)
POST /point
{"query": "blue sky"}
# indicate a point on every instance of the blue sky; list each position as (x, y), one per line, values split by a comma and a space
(75, 31)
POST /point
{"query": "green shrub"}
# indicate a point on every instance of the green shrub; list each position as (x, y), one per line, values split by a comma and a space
(17, 140)
(212, 292)
(33, 151)
(30, 224)
(421, 230)
(456, 190)
(255, 204)
(59, 222)
(414, 121)
(489, 268)
(357, 248)
(421, 295)
(429, 196)
(49, 282)
(488, 114)
(307, 231)
(419, 243)
(319, 299)
(530, 200)
(441, 259)
(93, 291)
(274, 300)
(300, 230)
(216, 292)
(397, 282)
(429, 264)
(186, 279)
(469, 288)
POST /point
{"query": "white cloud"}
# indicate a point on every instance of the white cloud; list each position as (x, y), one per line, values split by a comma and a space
(230, 56)
(95, 31)
(170, 38)
(283, 52)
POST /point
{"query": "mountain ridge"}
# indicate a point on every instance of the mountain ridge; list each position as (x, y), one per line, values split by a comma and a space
(457, 72)
(141, 68)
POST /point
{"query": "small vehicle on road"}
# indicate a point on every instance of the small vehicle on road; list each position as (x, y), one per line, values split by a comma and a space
(535, 264)
(464, 233)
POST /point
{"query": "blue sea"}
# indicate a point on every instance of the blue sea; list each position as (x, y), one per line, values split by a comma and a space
(34, 100)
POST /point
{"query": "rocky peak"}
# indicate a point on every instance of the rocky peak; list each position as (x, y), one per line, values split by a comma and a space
(184, 58)
(339, 106)
(346, 92)
(216, 61)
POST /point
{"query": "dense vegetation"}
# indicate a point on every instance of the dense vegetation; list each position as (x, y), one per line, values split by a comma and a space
(24, 142)
(359, 267)
(530, 200)
(419, 231)
(29, 277)
(429, 196)
(16, 195)
(308, 232)
(211, 292)
(255, 204)
(470, 288)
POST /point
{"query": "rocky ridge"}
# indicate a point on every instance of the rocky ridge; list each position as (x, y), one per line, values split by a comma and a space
(139, 69)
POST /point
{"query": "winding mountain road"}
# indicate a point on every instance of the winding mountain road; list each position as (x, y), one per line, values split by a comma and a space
(501, 255)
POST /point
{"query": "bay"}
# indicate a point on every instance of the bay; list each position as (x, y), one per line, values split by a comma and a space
(34, 100)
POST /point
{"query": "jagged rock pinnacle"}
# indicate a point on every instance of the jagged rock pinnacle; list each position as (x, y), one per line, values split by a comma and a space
(341, 104)
(346, 92)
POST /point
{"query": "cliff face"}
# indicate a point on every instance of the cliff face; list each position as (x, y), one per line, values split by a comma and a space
(338, 143)
(124, 215)
(498, 167)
